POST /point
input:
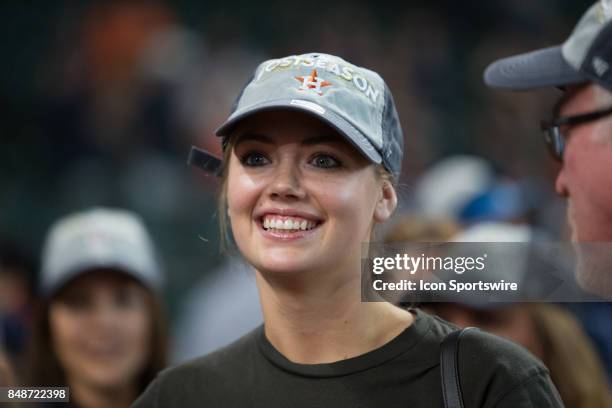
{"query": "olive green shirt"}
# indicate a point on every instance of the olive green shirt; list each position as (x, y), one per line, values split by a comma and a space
(405, 372)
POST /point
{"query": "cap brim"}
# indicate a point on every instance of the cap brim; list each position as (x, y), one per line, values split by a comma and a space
(345, 128)
(49, 289)
(536, 69)
(204, 160)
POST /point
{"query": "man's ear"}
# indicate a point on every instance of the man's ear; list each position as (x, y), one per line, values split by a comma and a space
(386, 204)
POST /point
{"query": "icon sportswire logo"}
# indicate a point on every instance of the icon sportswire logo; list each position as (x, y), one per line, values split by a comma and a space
(312, 83)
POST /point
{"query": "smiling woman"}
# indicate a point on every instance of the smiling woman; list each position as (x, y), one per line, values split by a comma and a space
(309, 168)
(299, 170)
(100, 328)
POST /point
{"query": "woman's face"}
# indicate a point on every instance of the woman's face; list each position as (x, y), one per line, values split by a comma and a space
(101, 329)
(299, 196)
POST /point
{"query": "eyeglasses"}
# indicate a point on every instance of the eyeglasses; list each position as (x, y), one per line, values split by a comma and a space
(554, 137)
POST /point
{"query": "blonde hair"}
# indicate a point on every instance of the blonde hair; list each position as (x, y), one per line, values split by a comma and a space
(224, 237)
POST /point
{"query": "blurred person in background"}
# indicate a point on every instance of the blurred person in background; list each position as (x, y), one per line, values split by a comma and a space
(100, 329)
(445, 187)
(580, 134)
(467, 189)
(16, 300)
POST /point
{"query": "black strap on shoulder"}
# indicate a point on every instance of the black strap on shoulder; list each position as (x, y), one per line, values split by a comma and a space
(449, 368)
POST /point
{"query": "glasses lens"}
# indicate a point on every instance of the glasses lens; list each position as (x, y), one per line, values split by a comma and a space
(554, 142)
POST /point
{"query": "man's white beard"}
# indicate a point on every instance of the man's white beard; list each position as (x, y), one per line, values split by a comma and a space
(594, 267)
(593, 261)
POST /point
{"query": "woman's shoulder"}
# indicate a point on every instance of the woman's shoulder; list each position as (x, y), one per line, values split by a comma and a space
(497, 372)
(494, 371)
(477, 346)
(482, 352)
(182, 384)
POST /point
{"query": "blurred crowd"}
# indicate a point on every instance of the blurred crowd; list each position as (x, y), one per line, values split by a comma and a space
(103, 101)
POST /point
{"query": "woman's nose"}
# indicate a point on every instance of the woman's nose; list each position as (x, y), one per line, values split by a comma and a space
(287, 183)
(105, 315)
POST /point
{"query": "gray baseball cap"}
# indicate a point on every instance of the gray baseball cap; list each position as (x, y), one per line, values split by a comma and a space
(353, 100)
(94, 239)
(586, 56)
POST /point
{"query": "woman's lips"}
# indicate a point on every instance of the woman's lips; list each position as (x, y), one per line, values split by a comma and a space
(104, 352)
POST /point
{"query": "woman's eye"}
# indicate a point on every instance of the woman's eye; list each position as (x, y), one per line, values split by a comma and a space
(325, 161)
(126, 297)
(254, 159)
(76, 301)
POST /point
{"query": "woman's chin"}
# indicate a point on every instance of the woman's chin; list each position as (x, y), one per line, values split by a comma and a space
(288, 269)
(286, 264)
(109, 378)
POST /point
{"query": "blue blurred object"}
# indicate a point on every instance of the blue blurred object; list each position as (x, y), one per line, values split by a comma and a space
(503, 200)
(498, 202)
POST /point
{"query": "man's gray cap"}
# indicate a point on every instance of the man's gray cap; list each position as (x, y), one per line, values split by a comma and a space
(353, 100)
(98, 238)
(585, 56)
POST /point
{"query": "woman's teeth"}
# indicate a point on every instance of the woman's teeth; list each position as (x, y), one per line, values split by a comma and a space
(287, 224)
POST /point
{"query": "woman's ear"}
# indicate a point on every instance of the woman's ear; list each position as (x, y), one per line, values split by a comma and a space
(386, 204)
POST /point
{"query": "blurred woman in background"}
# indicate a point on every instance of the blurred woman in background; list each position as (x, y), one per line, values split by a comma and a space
(100, 329)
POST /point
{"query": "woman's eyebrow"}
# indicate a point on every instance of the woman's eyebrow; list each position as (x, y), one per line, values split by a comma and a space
(321, 139)
(257, 137)
(262, 138)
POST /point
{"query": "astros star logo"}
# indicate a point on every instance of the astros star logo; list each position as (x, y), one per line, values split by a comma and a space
(312, 83)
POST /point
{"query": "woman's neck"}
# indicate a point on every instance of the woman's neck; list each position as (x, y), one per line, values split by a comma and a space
(326, 323)
(88, 396)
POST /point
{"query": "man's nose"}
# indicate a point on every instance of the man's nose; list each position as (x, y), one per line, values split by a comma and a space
(287, 183)
(561, 183)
